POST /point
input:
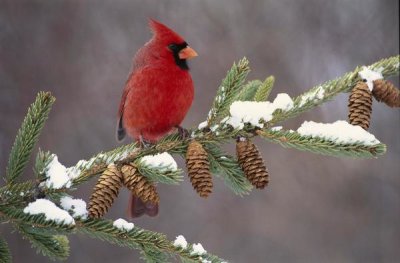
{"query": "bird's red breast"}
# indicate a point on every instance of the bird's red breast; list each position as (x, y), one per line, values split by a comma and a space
(159, 90)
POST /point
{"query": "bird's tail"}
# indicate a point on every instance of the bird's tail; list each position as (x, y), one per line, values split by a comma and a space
(120, 130)
(138, 208)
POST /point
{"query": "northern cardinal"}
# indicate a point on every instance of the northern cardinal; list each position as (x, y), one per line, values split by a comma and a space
(157, 95)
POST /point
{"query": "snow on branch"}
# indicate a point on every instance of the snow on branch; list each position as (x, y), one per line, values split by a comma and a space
(323, 140)
(77, 207)
(57, 175)
(256, 113)
(180, 241)
(339, 132)
(160, 168)
(368, 75)
(50, 211)
(161, 161)
(122, 224)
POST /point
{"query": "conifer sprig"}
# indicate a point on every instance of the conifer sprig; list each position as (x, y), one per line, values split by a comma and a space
(292, 139)
(328, 90)
(229, 88)
(42, 234)
(27, 135)
(227, 168)
(164, 176)
(264, 90)
(136, 238)
(56, 247)
(5, 254)
(248, 90)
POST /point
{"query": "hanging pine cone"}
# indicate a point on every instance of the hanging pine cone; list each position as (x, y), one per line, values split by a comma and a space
(199, 169)
(252, 163)
(139, 185)
(360, 105)
(105, 192)
(385, 91)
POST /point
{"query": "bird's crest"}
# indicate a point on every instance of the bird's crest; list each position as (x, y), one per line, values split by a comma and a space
(162, 32)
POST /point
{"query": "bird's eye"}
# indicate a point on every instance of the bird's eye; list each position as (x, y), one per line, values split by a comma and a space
(173, 46)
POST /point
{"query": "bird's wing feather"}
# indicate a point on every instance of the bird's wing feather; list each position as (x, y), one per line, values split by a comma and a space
(120, 126)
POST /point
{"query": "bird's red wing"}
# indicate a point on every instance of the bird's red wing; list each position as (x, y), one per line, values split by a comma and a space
(120, 126)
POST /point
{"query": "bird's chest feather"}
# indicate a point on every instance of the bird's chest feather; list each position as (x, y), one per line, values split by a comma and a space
(160, 98)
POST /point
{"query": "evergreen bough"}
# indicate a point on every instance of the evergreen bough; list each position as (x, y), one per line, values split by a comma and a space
(50, 237)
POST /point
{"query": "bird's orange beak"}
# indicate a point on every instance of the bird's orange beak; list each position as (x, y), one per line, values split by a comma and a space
(187, 53)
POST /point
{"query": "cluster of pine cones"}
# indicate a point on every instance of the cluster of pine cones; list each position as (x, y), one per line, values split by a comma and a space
(249, 159)
(360, 100)
(108, 185)
(107, 188)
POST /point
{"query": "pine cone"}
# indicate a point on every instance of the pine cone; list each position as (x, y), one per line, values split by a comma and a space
(385, 91)
(139, 185)
(105, 192)
(252, 163)
(199, 169)
(360, 105)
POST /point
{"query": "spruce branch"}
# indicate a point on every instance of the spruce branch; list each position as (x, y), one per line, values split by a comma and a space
(248, 90)
(16, 215)
(56, 247)
(27, 135)
(228, 90)
(41, 162)
(5, 254)
(41, 232)
(292, 139)
(98, 163)
(222, 164)
(48, 236)
(154, 244)
(17, 193)
(165, 176)
(328, 90)
(226, 167)
(151, 255)
(264, 90)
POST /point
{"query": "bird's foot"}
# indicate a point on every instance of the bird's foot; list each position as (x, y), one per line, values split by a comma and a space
(143, 143)
(183, 133)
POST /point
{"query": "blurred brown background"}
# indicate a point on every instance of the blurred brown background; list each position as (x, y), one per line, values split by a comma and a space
(316, 208)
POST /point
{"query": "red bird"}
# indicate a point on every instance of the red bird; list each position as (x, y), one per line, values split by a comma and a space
(157, 95)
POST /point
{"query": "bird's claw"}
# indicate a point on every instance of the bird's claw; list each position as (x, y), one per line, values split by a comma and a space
(183, 133)
(143, 143)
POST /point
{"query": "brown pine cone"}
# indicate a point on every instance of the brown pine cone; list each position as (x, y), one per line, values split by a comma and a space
(385, 91)
(360, 105)
(139, 185)
(199, 169)
(252, 163)
(105, 192)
